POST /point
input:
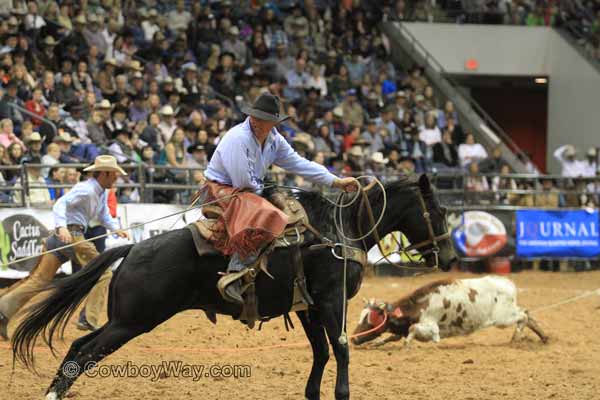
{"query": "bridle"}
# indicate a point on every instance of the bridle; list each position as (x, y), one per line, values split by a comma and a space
(432, 241)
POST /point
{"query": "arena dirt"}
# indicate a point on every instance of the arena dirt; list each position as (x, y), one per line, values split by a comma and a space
(483, 366)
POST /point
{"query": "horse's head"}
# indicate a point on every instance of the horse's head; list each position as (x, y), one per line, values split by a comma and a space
(414, 210)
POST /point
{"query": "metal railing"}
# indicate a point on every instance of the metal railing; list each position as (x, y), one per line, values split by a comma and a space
(453, 189)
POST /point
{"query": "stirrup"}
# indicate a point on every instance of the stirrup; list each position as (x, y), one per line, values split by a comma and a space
(229, 278)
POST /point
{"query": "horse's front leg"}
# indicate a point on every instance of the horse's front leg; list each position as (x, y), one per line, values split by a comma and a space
(331, 317)
(318, 341)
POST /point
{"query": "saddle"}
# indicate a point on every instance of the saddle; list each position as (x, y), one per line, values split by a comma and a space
(292, 237)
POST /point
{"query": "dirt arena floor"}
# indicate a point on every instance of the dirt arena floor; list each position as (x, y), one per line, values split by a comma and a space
(482, 366)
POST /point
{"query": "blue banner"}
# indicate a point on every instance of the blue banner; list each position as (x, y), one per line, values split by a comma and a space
(557, 233)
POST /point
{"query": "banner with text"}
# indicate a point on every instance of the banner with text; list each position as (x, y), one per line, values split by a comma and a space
(557, 233)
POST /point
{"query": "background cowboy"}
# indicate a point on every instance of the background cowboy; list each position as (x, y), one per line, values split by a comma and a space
(72, 215)
(240, 162)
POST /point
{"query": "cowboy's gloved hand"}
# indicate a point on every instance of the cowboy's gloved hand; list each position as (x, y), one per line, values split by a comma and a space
(346, 184)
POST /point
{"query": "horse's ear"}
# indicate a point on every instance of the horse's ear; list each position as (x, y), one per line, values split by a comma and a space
(424, 184)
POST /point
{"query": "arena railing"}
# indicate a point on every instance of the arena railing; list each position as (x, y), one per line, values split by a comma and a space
(452, 188)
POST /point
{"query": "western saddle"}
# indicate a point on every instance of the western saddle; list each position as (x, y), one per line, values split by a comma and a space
(292, 237)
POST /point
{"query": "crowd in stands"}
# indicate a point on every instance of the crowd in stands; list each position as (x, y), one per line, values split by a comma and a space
(157, 84)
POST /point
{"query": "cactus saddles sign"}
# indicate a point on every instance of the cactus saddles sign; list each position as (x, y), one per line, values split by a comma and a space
(21, 235)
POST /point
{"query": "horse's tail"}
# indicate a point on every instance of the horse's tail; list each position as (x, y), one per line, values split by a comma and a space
(52, 314)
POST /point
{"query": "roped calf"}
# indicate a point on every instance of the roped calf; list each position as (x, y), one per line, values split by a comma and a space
(447, 308)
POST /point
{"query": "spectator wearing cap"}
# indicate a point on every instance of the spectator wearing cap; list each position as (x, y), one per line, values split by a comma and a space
(65, 92)
(471, 152)
(138, 111)
(34, 146)
(150, 25)
(33, 21)
(76, 38)
(35, 106)
(33, 196)
(76, 121)
(118, 119)
(122, 148)
(354, 161)
(353, 111)
(6, 110)
(189, 84)
(377, 165)
(7, 135)
(372, 136)
(570, 165)
(167, 124)
(198, 156)
(106, 78)
(179, 18)
(400, 105)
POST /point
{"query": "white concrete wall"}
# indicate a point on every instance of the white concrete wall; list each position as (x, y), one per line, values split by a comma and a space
(574, 84)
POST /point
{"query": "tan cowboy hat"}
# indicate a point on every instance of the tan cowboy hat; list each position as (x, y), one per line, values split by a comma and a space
(167, 110)
(136, 66)
(105, 163)
(356, 151)
(34, 137)
(304, 140)
(103, 105)
(338, 112)
(49, 41)
(80, 19)
(378, 158)
(63, 137)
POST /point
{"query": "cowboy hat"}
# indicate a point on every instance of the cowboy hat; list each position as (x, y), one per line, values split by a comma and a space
(64, 137)
(304, 142)
(266, 108)
(167, 110)
(105, 163)
(356, 151)
(34, 137)
(49, 41)
(378, 158)
(196, 147)
(103, 105)
(136, 66)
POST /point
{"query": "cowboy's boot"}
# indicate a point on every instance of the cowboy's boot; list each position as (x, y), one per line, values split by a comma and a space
(233, 291)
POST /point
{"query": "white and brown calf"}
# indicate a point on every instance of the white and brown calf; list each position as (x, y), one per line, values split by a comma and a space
(447, 308)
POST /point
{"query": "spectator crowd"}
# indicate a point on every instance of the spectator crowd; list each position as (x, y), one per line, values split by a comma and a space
(157, 84)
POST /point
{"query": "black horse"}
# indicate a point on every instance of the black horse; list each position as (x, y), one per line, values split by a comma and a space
(163, 275)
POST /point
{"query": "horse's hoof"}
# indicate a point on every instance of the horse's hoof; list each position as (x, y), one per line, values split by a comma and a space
(52, 396)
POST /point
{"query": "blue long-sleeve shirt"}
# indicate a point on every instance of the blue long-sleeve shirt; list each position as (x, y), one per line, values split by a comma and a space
(85, 202)
(240, 162)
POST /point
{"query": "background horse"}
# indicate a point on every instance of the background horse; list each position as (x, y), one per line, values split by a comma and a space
(163, 275)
